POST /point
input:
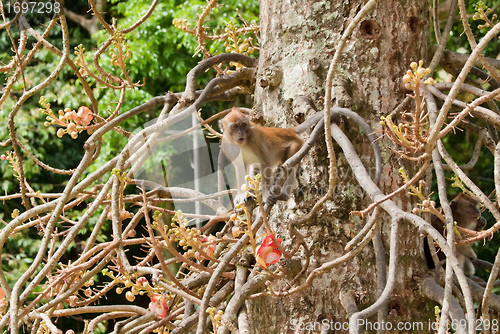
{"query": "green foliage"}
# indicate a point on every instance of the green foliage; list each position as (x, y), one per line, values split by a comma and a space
(165, 55)
(458, 40)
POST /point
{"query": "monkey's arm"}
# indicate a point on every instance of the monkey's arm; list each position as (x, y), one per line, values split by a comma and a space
(467, 251)
(293, 161)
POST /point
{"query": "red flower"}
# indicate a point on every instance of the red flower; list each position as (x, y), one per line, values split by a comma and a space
(158, 306)
(3, 302)
(268, 253)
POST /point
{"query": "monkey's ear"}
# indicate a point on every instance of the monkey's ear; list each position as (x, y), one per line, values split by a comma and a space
(221, 126)
(453, 205)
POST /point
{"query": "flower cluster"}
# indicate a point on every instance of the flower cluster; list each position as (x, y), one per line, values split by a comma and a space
(193, 242)
(412, 132)
(7, 157)
(11, 158)
(413, 77)
(121, 51)
(71, 122)
(215, 317)
(234, 42)
(79, 61)
(159, 301)
(235, 39)
(482, 12)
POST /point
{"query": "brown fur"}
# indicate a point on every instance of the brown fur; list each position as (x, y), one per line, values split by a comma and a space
(262, 148)
(467, 215)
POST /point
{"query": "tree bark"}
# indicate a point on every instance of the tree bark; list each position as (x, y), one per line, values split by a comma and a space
(298, 41)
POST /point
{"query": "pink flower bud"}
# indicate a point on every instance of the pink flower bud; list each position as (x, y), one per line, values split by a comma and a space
(210, 248)
(235, 231)
(142, 281)
(71, 127)
(130, 296)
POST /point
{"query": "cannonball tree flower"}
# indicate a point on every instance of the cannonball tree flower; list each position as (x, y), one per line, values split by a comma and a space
(158, 305)
(210, 248)
(3, 302)
(83, 116)
(268, 253)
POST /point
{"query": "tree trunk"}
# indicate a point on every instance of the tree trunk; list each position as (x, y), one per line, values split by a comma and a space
(298, 41)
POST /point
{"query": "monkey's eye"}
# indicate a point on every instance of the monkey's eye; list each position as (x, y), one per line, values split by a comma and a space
(233, 126)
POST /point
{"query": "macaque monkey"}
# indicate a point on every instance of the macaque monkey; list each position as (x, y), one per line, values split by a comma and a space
(264, 148)
(467, 215)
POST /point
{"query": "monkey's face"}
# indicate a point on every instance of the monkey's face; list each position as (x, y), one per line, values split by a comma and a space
(467, 214)
(238, 131)
(236, 127)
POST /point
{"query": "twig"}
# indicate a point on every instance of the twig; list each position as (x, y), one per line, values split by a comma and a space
(438, 54)
(393, 255)
(443, 113)
(332, 178)
(13, 307)
(471, 39)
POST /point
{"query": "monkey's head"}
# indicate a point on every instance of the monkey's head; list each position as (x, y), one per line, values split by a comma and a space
(236, 126)
(466, 212)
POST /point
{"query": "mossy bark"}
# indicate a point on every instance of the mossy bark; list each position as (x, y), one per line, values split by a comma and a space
(298, 40)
